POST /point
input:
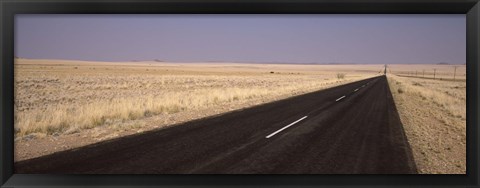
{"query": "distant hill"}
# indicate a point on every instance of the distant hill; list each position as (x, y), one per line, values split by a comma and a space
(443, 63)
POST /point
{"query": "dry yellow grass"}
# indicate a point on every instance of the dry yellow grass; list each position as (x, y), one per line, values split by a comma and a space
(433, 113)
(56, 97)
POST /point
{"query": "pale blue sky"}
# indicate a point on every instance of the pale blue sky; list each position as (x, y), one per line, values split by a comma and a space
(383, 39)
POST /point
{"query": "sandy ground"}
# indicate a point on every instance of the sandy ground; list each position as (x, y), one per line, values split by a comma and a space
(433, 113)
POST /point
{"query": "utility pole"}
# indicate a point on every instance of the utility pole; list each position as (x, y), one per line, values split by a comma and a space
(454, 72)
(434, 70)
(385, 70)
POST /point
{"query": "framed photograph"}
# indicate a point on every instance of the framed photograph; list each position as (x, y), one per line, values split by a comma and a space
(254, 93)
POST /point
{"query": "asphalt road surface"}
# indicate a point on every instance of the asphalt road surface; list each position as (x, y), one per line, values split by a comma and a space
(349, 129)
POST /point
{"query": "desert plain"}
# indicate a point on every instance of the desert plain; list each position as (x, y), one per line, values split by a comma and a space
(65, 104)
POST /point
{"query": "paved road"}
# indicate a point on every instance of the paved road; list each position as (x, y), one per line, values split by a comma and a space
(353, 128)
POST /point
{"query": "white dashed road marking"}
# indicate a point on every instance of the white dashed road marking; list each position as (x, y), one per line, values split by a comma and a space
(274, 133)
(340, 98)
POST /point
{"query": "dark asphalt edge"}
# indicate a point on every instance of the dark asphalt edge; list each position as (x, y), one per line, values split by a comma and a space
(394, 111)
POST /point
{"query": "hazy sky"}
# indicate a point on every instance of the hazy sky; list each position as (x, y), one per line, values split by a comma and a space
(258, 38)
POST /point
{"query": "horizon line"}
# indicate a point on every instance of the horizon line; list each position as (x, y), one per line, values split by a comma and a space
(242, 62)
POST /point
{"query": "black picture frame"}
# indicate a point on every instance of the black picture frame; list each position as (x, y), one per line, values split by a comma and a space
(8, 8)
